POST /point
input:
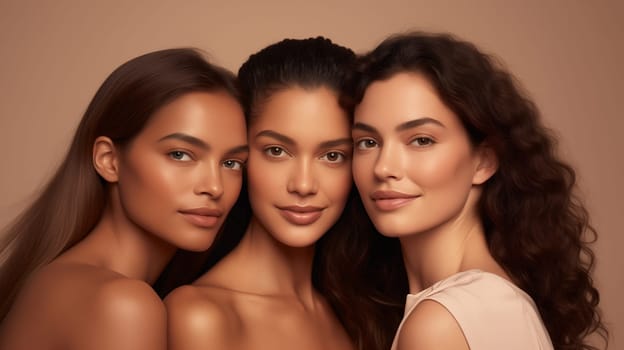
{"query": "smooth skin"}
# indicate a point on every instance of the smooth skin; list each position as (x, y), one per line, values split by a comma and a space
(420, 177)
(170, 188)
(261, 296)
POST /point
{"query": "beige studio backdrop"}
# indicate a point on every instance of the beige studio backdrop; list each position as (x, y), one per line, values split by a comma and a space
(567, 53)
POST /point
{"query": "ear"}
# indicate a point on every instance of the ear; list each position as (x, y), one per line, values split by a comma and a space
(487, 164)
(105, 158)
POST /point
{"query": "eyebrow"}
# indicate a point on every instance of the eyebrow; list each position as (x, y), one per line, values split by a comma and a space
(401, 127)
(364, 127)
(186, 138)
(238, 149)
(291, 142)
(417, 122)
(201, 144)
(276, 135)
(335, 143)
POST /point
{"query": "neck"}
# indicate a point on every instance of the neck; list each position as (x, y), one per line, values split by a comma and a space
(119, 245)
(454, 246)
(434, 255)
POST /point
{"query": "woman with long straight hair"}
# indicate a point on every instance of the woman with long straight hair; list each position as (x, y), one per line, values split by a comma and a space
(452, 159)
(155, 165)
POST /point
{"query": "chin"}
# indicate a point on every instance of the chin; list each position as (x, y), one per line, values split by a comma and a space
(198, 243)
(394, 227)
(391, 231)
(300, 239)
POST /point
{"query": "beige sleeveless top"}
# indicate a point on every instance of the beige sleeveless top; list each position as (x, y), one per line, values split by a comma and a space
(492, 312)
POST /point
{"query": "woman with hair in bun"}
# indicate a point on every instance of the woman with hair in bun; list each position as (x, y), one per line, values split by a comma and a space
(272, 290)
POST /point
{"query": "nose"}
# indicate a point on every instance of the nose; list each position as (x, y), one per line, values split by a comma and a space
(209, 180)
(388, 164)
(302, 180)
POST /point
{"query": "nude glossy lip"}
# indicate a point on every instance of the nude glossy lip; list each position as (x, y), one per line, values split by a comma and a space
(391, 200)
(301, 215)
(202, 217)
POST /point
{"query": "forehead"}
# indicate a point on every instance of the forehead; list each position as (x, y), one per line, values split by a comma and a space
(303, 114)
(200, 114)
(400, 98)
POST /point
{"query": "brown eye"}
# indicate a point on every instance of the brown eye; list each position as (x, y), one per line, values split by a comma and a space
(422, 141)
(366, 144)
(333, 157)
(275, 151)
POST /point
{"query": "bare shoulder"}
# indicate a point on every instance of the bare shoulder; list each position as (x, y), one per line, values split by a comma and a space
(198, 316)
(431, 326)
(87, 307)
(106, 295)
(124, 314)
(125, 300)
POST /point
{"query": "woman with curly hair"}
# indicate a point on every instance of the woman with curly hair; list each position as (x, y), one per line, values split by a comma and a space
(452, 158)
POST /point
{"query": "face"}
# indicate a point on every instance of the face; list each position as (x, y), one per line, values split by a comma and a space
(179, 177)
(414, 164)
(299, 165)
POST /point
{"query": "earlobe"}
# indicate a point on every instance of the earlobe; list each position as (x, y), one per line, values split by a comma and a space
(105, 158)
(487, 165)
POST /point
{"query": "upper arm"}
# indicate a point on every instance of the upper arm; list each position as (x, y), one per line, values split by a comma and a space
(431, 326)
(124, 314)
(196, 322)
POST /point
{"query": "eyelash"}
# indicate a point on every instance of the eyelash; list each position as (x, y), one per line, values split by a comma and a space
(173, 155)
(341, 157)
(428, 141)
(363, 144)
(232, 164)
(269, 151)
(238, 165)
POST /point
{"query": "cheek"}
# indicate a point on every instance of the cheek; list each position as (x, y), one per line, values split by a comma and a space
(232, 183)
(444, 170)
(336, 184)
(141, 177)
(362, 169)
(263, 178)
(148, 196)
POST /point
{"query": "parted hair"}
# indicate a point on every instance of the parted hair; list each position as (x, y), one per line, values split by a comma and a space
(71, 203)
(536, 226)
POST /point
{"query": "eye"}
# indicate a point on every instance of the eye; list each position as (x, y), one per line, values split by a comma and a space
(422, 141)
(233, 164)
(366, 144)
(333, 157)
(275, 152)
(180, 156)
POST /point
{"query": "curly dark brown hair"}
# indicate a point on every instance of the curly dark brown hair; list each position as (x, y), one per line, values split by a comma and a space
(536, 227)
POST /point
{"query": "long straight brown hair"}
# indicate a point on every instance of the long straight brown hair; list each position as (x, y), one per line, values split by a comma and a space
(72, 202)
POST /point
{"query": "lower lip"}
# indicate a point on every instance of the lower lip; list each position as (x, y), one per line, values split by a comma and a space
(299, 218)
(392, 203)
(203, 221)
